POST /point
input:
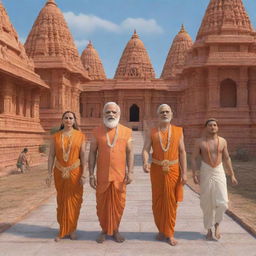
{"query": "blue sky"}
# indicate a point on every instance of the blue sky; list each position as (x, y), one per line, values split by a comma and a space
(110, 23)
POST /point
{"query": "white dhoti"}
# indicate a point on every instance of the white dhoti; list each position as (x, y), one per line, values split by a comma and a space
(213, 194)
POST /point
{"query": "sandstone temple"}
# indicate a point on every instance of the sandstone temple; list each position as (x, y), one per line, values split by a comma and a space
(215, 76)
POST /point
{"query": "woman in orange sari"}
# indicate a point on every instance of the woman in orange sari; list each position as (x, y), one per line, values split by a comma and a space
(68, 165)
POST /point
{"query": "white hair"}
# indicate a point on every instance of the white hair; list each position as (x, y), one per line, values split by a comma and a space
(161, 106)
(111, 103)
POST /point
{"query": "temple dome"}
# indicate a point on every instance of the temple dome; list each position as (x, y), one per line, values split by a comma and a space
(50, 39)
(135, 62)
(92, 63)
(225, 17)
(175, 60)
(11, 49)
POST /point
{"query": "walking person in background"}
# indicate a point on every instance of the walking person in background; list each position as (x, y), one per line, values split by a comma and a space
(22, 162)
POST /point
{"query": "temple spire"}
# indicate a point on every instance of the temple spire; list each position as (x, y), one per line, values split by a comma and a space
(182, 30)
(51, 2)
(92, 63)
(50, 37)
(135, 35)
(225, 17)
(176, 58)
(135, 62)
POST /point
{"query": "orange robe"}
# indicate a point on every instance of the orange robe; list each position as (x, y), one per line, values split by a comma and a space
(111, 189)
(166, 187)
(69, 190)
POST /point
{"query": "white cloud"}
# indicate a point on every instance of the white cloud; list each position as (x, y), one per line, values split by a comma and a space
(81, 43)
(83, 24)
(142, 25)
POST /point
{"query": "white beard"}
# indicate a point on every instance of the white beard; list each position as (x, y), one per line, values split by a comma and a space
(167, 120)
(111, 123)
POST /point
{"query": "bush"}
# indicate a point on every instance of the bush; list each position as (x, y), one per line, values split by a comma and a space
(42, 148)
(54, 130)
(242, 154)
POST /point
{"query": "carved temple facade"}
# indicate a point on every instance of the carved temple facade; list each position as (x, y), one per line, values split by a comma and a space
(215, 76)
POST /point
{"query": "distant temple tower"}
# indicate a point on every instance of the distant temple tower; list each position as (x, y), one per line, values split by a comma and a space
(176, 58)
(220, 73)
(135, 62)
(92, 63)
(51, 46)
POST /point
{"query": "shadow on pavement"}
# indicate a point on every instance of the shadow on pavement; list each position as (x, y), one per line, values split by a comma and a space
(44, 232)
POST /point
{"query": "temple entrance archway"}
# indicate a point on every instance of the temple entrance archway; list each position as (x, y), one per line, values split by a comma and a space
(134, 113)
(228, 94)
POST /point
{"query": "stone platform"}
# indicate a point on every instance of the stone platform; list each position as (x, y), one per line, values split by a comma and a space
(34, 235)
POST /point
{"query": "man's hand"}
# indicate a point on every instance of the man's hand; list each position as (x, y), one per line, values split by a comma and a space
(82, 180)
(196, 178)
(146, 167)
(128, 178)
(48, 180)
(93, 182)
(184, 178)
(234, 180)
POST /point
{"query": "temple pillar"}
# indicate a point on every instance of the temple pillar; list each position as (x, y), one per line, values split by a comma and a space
(35, 101)
(242, 90)
(120, 102)
(75, 100)
(20, 106)
(147, 107)
(7, 90)
(69, 99)
(28, 103)
(213, 89)
(61, 97)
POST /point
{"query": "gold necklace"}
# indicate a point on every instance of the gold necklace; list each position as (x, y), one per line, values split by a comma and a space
(114, 140)
(209, 154)
(66, 153)
(168, 140)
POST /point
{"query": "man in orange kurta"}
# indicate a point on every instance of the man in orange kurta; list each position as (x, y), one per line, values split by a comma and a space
(167, 172)
(112, 148)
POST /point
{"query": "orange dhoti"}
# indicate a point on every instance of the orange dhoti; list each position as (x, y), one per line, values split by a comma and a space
(111, 190)
(110, 207)
(166, 187)
(68, 187)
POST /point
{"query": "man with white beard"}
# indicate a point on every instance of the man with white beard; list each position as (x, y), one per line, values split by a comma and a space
(168, 172)
(111, 147)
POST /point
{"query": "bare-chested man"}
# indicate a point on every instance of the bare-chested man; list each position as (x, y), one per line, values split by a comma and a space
(212, 179)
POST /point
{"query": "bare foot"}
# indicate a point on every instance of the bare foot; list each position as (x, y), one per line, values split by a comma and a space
(101, 238)
(160, 237)
(172, 241)
(118, 237)
(209, 235)
(217, 231)
(73, 236)
(57, 239)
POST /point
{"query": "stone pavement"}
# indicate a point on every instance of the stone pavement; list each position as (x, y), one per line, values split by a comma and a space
(34, 235)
